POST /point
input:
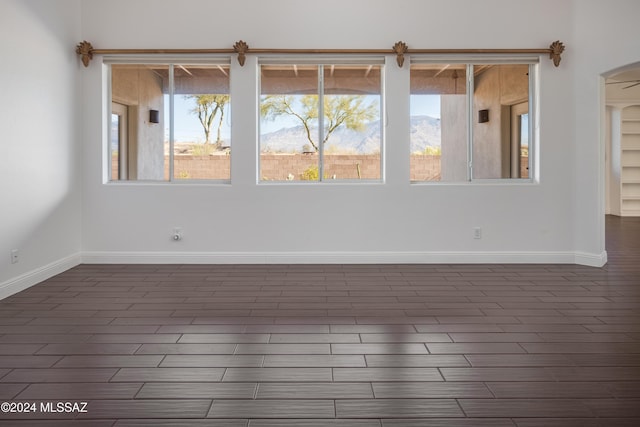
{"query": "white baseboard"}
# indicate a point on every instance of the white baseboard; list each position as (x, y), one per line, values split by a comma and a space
(36, 276)
(344, 258)
(591, 260)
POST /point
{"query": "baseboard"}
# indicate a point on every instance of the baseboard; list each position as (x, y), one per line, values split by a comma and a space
(33, 277)
(342, 258)
(591, 260)
(36, 276)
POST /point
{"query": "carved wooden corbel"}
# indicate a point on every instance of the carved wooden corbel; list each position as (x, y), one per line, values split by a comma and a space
(556, 50)
(85, 50)
(241, 49)
(400, 48)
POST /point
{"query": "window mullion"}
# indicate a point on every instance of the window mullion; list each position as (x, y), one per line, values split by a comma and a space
(320, 122)
(532, 123)
(470, 88)
(171, 121)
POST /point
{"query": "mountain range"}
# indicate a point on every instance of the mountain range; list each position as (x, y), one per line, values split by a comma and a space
(424, 131)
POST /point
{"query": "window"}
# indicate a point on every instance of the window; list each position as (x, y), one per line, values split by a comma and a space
(471, 121)
(170, 122)
(320, 122)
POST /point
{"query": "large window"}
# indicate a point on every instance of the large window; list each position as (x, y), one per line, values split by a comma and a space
(471, 121)
(320, 118)
(170, 122)
(320, 122)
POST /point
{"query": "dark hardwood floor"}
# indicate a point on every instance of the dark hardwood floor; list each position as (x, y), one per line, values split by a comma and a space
(329, 345)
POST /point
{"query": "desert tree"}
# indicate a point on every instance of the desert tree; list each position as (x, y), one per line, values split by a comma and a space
(207, 107)
(352, 111)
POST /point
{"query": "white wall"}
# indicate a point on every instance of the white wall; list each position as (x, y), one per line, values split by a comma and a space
(55, 208)
(556, 220)
(607, 37)
(40, 169)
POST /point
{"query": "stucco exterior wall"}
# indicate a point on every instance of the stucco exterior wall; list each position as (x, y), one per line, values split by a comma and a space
(141, 90)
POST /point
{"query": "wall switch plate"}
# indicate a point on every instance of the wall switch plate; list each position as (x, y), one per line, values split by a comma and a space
(15, 256)
(477, 233)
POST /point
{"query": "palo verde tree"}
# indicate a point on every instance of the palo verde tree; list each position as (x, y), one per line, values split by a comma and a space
(207, 108)
(352, 111)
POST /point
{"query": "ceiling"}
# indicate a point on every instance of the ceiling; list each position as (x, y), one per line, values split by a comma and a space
(633, 74)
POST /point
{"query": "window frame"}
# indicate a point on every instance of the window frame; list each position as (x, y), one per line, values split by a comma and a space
(322, 61)
(533, 61)
(155, 59)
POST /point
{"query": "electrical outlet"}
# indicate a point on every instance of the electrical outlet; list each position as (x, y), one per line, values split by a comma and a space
(177, 234)
(15, 256)
(477, 233)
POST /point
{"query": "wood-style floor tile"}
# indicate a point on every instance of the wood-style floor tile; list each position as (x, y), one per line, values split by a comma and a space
(331, 345)
(212, 361)
(9, 391)
(314, 361)
(179, 423)
(283, 349)
(44, 339)
(379, 348)
(495, 337)
(77, 375)
(511, 360)
(400, 374)
(402, 338)
(134, 338)
(568, 422)
(582, 347)
(329, 390)
(398, 408)
(108, 361)
(475, 348)
(186, 349)
(277, 374)
(157, 408)
(510, 408)
(56, 423)
(415, 360)
(24, 361)
(224, 338)
(314, 423)
(272, 409)
(168, 375)
(86, 348)
(197, 390)
(81, 391)
(27, 349)
(430, 390)
(449, 422)
(314, 338)
(550, 389)
(497, 374)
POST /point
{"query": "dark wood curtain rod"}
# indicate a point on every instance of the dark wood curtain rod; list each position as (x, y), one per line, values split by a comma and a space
(86, 51)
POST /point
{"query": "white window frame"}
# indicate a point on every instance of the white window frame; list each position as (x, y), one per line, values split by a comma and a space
(322, 61)
(533, 97)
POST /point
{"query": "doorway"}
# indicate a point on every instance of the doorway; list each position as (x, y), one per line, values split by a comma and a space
(118, 146)
(520, 140)
(622, 143)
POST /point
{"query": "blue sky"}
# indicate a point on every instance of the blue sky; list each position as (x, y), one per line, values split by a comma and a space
(188, 127)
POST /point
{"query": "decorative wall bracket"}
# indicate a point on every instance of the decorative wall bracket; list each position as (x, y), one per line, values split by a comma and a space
(400, 48)
(85, 50)
(241, 48)
(557, 47)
